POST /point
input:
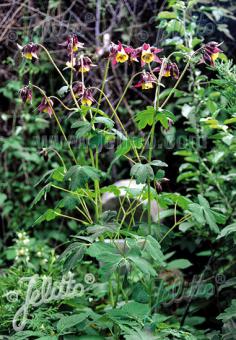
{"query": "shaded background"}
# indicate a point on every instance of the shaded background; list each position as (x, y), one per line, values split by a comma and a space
(24, 132)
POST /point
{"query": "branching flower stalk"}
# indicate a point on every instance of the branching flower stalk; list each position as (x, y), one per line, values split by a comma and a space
(57, 121)
(78, 92)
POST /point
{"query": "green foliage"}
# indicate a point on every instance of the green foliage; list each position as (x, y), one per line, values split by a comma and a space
(80, 175)
(142, 172)
(142, 254)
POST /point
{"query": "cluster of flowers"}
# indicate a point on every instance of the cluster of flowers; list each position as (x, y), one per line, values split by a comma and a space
(118, 53)
(145, 54)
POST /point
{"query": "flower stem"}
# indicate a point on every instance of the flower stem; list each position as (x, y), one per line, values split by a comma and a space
(152, 135)
(57, 121)
(61, 102)
(53, 63)
(176, 84)
(176, 224)
(118, 119)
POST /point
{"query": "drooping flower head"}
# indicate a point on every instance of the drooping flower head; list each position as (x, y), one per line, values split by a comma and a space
(44, 106)
(146, 82)
(158, 184)
(87, 97)
(118, 53)
(170, 70)
(210, 53)
(72, 44)
(78, 89)
(29, 51)
(83, 64)
(148, 54)
(26, 94)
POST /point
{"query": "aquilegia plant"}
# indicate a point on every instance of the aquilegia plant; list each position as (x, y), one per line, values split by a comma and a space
(127, 250)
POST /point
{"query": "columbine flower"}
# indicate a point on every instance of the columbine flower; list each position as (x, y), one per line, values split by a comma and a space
(72, 44)
(210, 53)
(118, 53)
(146, 82)
(78, 89)
(170, 70)
(26, 94)
(170, 124)
(158, 184)
(29, 51)
(45, 107)
(70, 63)
(87, 98)
(134, 53)
(44, 153)
(83, 64)
(148, 54)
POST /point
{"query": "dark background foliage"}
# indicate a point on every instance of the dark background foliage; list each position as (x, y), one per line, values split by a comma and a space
(97, 23)
(24, 132)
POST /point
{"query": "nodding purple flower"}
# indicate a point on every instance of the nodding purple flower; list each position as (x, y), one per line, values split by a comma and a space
(87, 97)
(29, 51)
(170, 124)
(78, 89)
(158, 184)
(44, 106)
(146, 82)
(72, 44)
(170, 70)
(210, 53)
(83, 64)
(26, 94)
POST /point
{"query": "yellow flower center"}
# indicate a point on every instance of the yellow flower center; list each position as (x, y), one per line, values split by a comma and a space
(84, 69)
(28, 55)
(214, 56)
(121, 57)
(86, 101)
(71, 64)
(147, 57)
(75, 48)
(167, 73)
(147, 86)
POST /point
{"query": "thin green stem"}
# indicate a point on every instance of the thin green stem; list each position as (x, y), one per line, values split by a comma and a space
(59, 156)
(176, 84)
(212, 176)
(175, 225)
(54, 64)
(81, 199)
(152, 135)
(118, 119)
(149, 207)
(72, 218)
(103, 82)
(61, 102)
(126, 89)
(63, 133)
(57, 121)
(60, 73)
